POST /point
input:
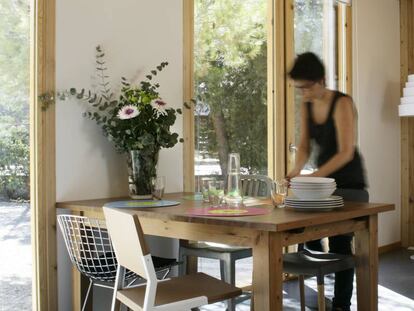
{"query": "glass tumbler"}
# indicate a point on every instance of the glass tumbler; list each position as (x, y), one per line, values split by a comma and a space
(205, 186)
(216, 192)
(158, 186)
(279, 192)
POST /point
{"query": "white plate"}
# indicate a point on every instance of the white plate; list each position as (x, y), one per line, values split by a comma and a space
(314, 180)
(314, 206)
(330, 199)
(299, 209)
(313, 203)
(312, 187)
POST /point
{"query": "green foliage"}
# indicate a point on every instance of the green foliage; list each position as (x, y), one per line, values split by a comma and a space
(14, 163)
(231, 78)
(149, 129)
(14, 98)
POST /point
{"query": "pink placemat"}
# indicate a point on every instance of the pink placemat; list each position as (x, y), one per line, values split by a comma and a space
(228, 212)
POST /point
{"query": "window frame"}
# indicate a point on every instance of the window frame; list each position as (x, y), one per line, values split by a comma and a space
(279, 90)
(344, 59)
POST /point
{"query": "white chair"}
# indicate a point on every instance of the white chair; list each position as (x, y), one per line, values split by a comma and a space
(252, 186)
(175, 294)
(91, 252)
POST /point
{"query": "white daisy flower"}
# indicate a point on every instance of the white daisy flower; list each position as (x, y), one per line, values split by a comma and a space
(160, 107)
(128, 112)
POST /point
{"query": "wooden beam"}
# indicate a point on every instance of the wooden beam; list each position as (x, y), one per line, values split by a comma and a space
(407, 125)
(42, 157)
(188, 89)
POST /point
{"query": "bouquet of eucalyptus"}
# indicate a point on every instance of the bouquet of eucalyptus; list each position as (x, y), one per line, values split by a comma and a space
(138, 119)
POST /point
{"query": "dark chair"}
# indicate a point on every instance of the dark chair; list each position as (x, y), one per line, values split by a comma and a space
(252, 186)
(307, 263)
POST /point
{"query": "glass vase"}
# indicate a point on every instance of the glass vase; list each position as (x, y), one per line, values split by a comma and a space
(142, 168)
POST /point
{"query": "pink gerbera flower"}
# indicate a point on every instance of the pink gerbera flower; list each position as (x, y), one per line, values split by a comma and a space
(160, 107)
(128, 112)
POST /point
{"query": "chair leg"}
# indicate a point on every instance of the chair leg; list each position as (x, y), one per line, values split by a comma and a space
(120, 276)
(182, 269)
(252, 301)
(321, 293)
(87, 295)
(302, 292)
(229, 277)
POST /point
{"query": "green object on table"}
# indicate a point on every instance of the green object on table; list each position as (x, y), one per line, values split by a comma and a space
(194, 197)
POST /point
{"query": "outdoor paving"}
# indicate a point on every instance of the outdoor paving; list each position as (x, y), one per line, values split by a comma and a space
(15, 257)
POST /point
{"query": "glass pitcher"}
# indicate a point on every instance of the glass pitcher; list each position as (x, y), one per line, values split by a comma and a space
(234, 191)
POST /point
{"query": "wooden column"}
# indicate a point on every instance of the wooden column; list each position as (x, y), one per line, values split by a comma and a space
(42, 156)
(407, 125)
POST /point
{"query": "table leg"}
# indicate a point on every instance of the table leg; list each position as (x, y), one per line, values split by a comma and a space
(366, 256)
(267, 272)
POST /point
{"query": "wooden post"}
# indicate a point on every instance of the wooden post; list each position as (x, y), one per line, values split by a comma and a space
(267, 272)
(366, 256)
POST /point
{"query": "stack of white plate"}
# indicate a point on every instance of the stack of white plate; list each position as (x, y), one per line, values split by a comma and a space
(316, 204)
(312, 188)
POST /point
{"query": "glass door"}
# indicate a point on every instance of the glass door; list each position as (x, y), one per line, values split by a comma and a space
(317, 26)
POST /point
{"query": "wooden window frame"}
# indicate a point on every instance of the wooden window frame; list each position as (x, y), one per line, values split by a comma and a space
(344, 59)
(275, 91)
(407, 125)
(42, 157)
(280, 90)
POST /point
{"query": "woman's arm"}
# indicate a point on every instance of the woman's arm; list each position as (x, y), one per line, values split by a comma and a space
(344, 122)
(302, 153)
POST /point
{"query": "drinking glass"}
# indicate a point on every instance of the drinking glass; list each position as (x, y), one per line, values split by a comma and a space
(279, 192)
(216, 192)
(205, 188)
(234, 195)
(158, 186)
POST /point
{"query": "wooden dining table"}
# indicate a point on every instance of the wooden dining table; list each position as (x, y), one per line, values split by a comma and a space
(266, 234)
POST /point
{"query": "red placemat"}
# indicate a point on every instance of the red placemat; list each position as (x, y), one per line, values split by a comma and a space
(224, 211)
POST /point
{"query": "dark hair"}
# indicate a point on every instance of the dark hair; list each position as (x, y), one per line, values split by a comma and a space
(307, 66)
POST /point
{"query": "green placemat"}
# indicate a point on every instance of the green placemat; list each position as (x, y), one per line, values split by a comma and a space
(141, 203)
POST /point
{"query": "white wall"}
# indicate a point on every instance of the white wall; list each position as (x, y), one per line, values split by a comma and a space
(376, 93)
(136, 35)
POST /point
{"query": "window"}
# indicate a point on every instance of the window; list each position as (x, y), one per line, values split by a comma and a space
(236, 57)
(318, 26)
(230, 85)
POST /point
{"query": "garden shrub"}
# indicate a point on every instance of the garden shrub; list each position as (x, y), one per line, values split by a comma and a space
(14, 163)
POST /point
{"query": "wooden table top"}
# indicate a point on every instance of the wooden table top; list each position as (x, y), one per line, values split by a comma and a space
(279, 219)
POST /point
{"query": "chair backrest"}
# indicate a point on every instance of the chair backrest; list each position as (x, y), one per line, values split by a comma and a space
(89, 246)
(256, 185)
(129, 243)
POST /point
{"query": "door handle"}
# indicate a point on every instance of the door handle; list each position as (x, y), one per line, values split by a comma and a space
(292, 148)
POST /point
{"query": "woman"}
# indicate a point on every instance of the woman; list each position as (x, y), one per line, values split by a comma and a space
(328, 119)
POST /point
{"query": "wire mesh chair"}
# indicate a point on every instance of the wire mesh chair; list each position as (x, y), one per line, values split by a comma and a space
(91, 252)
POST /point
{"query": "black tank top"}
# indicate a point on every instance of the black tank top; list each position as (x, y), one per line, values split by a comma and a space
(324, 135)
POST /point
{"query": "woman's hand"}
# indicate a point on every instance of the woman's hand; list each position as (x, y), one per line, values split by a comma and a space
(293, 173)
